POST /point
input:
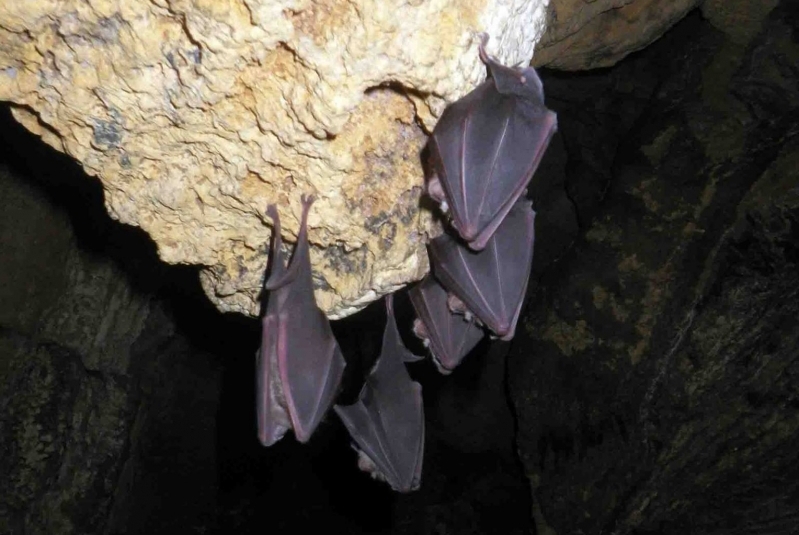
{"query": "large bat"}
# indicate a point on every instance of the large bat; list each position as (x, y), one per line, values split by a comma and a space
(486, 147)
(449, 336)
(490, 283)
(299, 365)
(387, 421)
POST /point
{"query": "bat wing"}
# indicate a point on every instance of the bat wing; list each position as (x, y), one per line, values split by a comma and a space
(299, 366)
(451, 337)
(486, 147)
(387, 421)
(492, 282)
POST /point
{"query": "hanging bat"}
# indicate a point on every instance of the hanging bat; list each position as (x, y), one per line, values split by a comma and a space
(387, 421)
(486, 147)
(449, 336)
(490, 283)
(299, 365)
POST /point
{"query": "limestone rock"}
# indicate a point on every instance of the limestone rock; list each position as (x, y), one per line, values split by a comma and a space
(590, 34)
(197, 114)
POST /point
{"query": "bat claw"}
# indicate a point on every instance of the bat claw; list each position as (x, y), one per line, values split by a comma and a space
(307, 200)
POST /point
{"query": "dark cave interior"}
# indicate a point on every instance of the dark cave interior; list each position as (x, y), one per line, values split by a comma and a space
(288, 486)
(189, 460)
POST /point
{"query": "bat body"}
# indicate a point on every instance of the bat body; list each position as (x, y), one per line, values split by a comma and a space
(299, 365)
(449, 336)
(486, 147)
(491, 283)
(387, 421)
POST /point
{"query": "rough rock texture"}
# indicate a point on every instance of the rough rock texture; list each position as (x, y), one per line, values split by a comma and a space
(655, 378)
(89, 418)
(586, 35)
(195, 115)
(113, 421)
(590, 34)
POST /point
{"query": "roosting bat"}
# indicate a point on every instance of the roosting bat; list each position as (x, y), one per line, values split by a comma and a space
(387, 421)
(491, 283)
(486, 147)
(299, 365)
(449, 336)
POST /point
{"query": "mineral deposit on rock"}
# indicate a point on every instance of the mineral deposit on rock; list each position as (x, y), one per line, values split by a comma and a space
(195, 114)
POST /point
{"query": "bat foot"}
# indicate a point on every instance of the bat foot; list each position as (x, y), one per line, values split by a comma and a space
(484, 57)
(271, 211)
(307, 200)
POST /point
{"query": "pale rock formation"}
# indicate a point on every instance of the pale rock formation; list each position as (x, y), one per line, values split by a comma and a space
(587, 34)
(195, 114)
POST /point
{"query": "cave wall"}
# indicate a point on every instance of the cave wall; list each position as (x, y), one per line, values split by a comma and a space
(654, 379)
(126, 398)
(106, 410)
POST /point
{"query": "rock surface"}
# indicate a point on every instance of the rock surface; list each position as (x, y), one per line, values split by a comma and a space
(126, 398)
(196, 115)
(88, 414)
(654, 379)
(586, 35)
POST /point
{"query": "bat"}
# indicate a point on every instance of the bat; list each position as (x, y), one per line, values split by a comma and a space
(387, 421)
(450, 337)
(490, 283)
(299, 365)
(486, 147)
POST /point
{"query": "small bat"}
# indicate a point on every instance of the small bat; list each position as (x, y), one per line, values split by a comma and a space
(387, 421)
(299, 365)
(449, 336)
(490, 283)
(486, 147)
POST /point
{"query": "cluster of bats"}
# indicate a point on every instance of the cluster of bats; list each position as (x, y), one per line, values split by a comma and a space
(483, 152)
